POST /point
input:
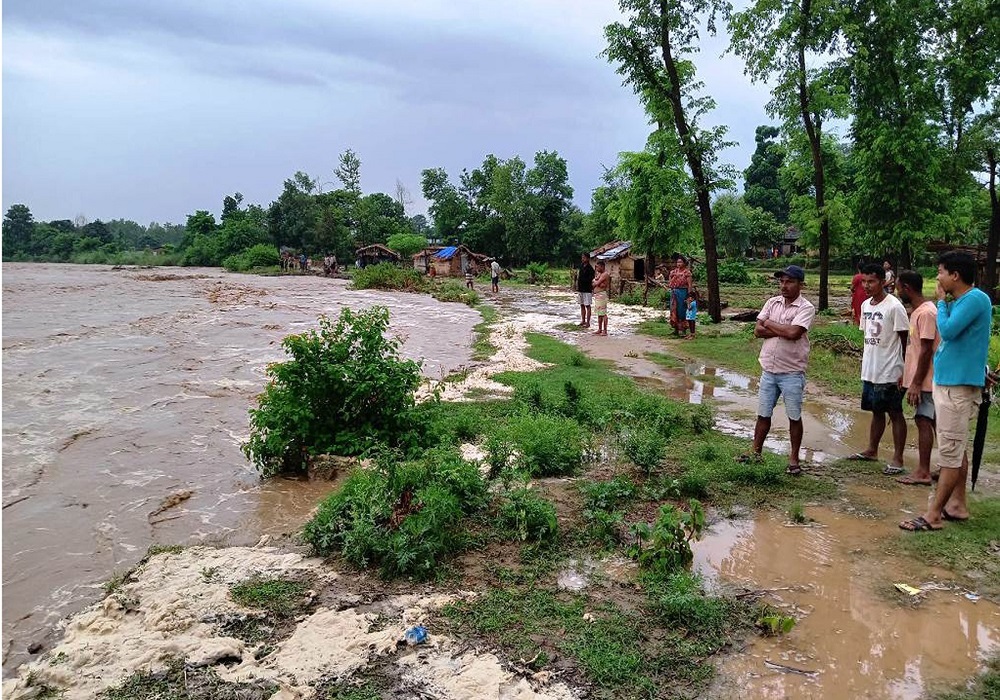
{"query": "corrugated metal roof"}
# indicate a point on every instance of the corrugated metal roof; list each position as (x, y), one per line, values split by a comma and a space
(615, 252)
(446, 253)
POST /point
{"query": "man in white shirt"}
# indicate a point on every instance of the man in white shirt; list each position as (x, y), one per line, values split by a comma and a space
(886, 327)
(495, 275)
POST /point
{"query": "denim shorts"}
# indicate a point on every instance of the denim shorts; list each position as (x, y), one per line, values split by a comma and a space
(790, 385)
(925, 409)
(881, 398)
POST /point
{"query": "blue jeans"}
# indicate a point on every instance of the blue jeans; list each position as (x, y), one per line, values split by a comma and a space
(790, 385)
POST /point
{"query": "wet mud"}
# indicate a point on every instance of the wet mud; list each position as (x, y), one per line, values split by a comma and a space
(124, 387)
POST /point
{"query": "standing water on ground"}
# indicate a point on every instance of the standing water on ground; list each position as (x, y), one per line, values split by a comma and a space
(125, 390)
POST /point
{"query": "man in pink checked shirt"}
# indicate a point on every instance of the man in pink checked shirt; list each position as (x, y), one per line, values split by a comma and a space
(784, 324)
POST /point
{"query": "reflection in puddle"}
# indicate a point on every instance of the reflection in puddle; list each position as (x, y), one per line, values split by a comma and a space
(856, 638)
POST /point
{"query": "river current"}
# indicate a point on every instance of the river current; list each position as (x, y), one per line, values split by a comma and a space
(124, 387)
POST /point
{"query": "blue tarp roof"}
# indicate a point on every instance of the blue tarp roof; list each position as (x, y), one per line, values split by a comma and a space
(446, 253)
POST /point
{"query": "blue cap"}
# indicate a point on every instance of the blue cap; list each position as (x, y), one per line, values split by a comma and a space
(793, 271)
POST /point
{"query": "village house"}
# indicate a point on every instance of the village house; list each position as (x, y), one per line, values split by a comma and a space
(448, 261)
(374, 254)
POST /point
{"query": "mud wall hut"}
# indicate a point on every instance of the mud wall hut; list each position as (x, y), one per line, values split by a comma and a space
(374, 254)
(449, 261)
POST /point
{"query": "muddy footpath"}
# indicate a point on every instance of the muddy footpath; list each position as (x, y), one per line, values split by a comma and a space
(855, 635)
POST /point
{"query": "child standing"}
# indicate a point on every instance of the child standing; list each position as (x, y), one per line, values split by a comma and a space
(602, 283)
(692, 311)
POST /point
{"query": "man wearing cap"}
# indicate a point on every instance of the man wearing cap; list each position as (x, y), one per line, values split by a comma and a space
(784, 324)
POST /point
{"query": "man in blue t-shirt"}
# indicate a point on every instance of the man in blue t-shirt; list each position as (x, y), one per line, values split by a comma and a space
(959, 377)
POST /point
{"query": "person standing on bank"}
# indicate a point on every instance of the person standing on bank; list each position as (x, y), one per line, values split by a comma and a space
(585, 288)
(495, 276)
(784, 323)
(680, 282)
(959, 377)
(602, 283)
(886, 326)
(918, 370)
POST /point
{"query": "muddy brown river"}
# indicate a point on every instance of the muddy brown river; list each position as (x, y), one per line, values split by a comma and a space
(122, 387)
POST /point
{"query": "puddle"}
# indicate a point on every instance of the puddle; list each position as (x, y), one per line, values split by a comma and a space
(853, 634)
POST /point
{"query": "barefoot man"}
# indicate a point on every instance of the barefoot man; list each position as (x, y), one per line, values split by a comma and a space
(784, 324)
(959, 376)
(585, 288)
(602, 283)
(886, 326)
(918, 370)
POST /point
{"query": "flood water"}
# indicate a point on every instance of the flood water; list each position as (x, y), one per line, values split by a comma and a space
(122, 387)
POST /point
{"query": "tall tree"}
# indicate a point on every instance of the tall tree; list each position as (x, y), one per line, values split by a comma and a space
(779, 40)
(760, 179)
(650, 52)
(349, 172)
(447, 208)
(18, 226)
(901, 186)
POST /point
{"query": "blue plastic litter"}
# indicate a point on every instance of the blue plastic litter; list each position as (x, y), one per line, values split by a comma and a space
(416, 635)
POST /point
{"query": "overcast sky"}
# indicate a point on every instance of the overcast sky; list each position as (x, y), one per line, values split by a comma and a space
(152, 109)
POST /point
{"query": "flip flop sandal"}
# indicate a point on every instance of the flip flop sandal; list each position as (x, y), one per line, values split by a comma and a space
(861, 457)
(918, 524)
(749, 458)
(893, 470)
(948, 516)
(794, 470)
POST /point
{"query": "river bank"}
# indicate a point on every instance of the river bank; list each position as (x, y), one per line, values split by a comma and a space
(829, 572)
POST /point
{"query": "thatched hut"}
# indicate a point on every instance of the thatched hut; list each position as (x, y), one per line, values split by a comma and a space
(374, 254)
(449, 261)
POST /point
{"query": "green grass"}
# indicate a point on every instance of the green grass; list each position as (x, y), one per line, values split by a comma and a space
(664, 360)
(969, 549)
(281, 597)
(734, 347)
(624, 652)
(482, 348)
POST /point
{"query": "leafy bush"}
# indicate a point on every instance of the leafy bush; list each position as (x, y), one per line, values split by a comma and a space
(387, 276)
(401, 516)
(665, 546)
(733, 272)
(345, 388)
(452, 290)
(260, 255)
(538, 272)
(546, 445)
(528, 516)
(645, 447)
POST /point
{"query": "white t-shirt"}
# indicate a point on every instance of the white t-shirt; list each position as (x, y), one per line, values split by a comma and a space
(495, 268)
(882, 362)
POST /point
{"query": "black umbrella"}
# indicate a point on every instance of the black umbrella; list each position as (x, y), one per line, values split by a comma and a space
(979, 441)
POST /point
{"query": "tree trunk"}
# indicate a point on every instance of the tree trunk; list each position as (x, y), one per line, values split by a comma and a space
(694, 162)
(989, 282)
(814, 132)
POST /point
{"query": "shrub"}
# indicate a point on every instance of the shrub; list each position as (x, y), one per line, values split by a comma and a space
(387, 276)
(452, 290)
(345, 388)
(406, 244)
(547, 445)
(528, 516)
(401, 516)
(645, 447)
(260, 255)
(665, 546)
(537, 272)
(602, 501)
(733, 272)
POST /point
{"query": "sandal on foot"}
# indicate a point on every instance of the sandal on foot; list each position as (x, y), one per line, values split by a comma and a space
(861, 457)
(918, 524)
(948, 516)
(794, 470)
(749, 458)
(892, 470)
